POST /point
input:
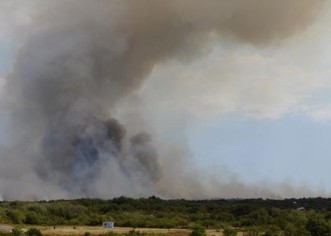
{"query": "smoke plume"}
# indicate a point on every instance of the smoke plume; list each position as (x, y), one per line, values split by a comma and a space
(82, 58)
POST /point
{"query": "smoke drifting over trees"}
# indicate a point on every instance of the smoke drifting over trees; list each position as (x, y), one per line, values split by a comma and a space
(82, 58)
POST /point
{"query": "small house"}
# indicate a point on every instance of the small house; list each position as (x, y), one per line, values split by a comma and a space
(108, 224)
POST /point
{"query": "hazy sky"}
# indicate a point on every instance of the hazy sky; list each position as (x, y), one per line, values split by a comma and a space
(259, 113)
(263, 113)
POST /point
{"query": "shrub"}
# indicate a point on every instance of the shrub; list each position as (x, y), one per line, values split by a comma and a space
(17, 232)
(33, 232)
(229, 232)
(198, 230)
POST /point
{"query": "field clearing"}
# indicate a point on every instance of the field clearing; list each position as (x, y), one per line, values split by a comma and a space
(97, 230)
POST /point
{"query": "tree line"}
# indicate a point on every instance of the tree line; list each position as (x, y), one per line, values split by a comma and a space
(307, 216)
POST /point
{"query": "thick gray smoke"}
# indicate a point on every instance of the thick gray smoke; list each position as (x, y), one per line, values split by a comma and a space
(83, 57)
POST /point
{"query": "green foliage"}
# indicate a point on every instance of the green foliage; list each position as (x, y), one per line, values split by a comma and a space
(251, 232)
(32, 218)
(110, 234)
(134, 233)
(4, 233)
(292, 230)
(318, 226)
(271, 217)
(17, 232)
(272, 231)
(14, 216)
(229, 232)
(33, 232)
(198, 230)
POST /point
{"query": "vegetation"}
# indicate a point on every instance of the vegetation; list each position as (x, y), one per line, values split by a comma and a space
(19, 232)
(198, 230)
(230, 232)
(289, 217)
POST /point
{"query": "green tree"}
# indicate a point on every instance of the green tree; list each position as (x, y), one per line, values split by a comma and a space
(317, 226)
(32, 218)
(296, 231)
(273, 230)
(14, 216)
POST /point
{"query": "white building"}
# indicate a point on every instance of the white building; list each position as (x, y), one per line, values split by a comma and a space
(108, 224)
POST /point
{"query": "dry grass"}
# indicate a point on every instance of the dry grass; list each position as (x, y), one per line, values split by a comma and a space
(80, 230)
(98, 230)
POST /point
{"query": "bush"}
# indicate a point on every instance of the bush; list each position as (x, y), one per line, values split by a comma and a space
(32, 218)
(17, 232)
(251, 233)
(229, 232)
(5, 234)
(14, 216)
(33, 232)
(135, 233)
(110, 234)
(198, 230)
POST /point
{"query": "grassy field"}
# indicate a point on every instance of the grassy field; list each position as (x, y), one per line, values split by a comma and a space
(80, 230)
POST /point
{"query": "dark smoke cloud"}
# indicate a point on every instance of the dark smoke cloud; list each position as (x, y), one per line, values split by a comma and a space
(83, 57)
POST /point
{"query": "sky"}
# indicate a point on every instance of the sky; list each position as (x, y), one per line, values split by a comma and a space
(260, 114)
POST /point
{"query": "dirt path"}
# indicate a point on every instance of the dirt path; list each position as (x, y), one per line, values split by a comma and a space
(6, 228)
